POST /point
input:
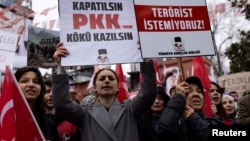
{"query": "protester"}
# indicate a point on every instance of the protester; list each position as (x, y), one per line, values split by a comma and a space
(244, 110)
(66, 130)
(246, 92)
(183, 119)
(229, 110)
(48, 100)
(216, 92)
(31, 83)
(148, 124)
(106, 119)
(74, 94)
(236, 96)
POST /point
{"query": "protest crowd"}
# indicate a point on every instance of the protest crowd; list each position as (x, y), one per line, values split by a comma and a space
(193, 109)
(152, 115)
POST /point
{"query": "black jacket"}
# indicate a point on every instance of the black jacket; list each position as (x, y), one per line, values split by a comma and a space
(147, 128)
(172, 125)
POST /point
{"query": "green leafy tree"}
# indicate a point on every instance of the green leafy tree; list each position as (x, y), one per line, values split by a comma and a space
(244, 5)
(239, 53)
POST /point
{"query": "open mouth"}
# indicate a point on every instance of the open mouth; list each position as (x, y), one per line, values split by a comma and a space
(216, 99)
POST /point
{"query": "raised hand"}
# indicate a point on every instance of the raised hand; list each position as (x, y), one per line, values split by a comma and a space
(61, 51)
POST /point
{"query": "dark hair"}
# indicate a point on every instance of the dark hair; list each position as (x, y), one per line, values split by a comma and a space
(233, 92)
(48, 82)
(161, 91)
(98, 72)
(171, 89)
(39, 108)
(219, 106)
(196, 81)
(218, 86)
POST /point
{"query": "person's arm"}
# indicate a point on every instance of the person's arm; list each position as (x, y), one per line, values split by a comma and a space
(222, 85)
(148, 90)
(198, 127)
(65, 107)
(171, 115)
(166, 76)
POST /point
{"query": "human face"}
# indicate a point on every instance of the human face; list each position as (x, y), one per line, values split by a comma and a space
(228, 105)
(158, 104)
(195, 98)
(30, 86)
(215, 94)
(106, 83)
(48, 97)
(236, 96)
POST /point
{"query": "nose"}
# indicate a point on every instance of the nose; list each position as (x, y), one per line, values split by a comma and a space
(228, 104)
(156, 100)
(107, 79)
(196, 93)
(50, 94)
(31, 83)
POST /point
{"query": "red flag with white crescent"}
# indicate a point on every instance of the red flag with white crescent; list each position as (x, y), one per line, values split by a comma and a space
(16, 117)
(200, 71)
(158, 82)
(123, 89)
(7, 114)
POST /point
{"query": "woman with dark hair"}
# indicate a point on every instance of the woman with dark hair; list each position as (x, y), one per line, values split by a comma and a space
(147, 126)
(32, 85)
(106, 119)
(216, 92)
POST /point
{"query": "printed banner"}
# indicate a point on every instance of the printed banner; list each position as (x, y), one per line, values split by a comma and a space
(41, 47)
(6, 58)
(173, 28)
(8, 41)
(239, 82)
(99, 32)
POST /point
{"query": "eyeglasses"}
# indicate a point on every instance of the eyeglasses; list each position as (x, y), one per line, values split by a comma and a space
(214, 90)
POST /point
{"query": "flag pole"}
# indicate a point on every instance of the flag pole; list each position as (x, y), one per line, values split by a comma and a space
(180, 65)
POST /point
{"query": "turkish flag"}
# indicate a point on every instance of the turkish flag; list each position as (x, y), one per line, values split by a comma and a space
(200, 71)
(123, 93)
(51, 24)
(20, 29)
(158, 82)
(45, 12)
(16, 20)
(7, 114)
(16, 118)
(220, 8)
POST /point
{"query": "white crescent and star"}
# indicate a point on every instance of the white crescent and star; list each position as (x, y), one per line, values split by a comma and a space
(6, 108)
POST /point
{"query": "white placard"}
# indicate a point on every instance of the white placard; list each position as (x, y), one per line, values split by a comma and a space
(6, 58)
(99, 32)
(173, 28)
(8, 41)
